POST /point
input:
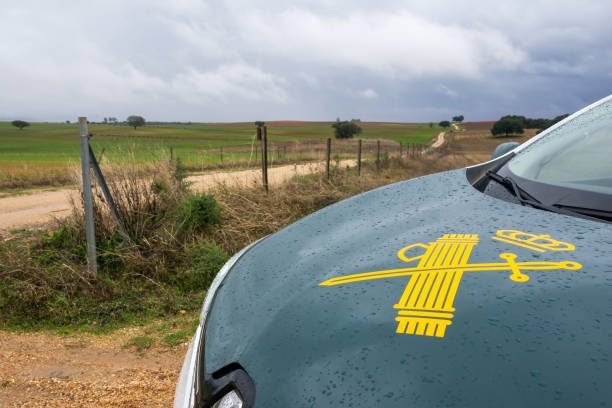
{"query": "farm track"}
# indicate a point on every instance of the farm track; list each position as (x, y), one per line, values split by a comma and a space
(39, 208)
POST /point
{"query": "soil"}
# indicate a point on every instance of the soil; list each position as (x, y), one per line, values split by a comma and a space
(49, 370)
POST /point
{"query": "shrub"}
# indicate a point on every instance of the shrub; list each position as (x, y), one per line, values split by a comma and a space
(198, 212)
(202, 262)
(346, 129)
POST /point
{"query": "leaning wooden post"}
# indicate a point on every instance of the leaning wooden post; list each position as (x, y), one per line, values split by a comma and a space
(221, 153)
(359, 157)
(90, 235)
(377, 155)
(328, 157)
(264, 157)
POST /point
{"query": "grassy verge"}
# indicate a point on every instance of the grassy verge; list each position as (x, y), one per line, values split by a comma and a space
(180, 240)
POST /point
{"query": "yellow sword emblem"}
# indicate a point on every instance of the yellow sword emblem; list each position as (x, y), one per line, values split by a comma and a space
(426, 306)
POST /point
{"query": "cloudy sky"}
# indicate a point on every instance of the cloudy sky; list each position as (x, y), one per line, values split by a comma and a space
(244, 60)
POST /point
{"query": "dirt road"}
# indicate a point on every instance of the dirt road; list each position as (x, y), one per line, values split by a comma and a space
(439, 141)
(38, 208)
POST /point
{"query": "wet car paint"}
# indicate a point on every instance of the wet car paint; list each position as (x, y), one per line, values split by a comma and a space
(544, 341)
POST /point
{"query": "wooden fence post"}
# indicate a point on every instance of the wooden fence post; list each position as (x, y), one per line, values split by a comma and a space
(101, 155)
(264, 157)
(377, 155)
(90, 235)
(328, 157)
(401, 148)
(171, 152)
(359, 157)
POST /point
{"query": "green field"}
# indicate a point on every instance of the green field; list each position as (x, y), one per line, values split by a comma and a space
(45, 149)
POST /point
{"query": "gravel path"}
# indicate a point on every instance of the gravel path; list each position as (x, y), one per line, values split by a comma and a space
(48, 370)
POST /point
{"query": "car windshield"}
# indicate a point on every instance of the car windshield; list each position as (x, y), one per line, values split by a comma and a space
(576, 155)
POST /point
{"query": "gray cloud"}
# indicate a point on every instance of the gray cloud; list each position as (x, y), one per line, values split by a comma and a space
(237, 60)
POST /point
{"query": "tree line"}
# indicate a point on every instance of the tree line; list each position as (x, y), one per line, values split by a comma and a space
(516, 124)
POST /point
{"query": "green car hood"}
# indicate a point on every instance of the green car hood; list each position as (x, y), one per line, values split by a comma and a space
(465, 330)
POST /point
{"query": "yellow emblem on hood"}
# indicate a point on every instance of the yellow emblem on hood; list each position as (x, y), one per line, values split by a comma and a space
(426, 306)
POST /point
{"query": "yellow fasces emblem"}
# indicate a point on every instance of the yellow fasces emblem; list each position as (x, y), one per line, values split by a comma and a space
(426, 306)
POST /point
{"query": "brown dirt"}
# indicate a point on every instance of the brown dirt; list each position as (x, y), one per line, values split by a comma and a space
(83, 370)
(49, 370)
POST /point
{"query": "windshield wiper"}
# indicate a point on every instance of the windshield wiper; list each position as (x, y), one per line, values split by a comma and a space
(601, 215)
(514, 189)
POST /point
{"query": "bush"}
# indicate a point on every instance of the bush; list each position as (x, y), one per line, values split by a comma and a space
(198, 212)
(346, 129)
(202, 262)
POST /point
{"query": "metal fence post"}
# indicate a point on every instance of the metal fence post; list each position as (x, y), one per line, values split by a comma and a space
(92, 264)
(108, 197)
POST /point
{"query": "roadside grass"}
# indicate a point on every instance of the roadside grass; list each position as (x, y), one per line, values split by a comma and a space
(180, 240)
(42, 154)
(176, 338)
(140, 343)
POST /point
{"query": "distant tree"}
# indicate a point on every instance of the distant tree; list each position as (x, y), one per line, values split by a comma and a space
(444, 124)
(507, 125)
(20, 124)
(458, 118)
(68, 122)
(346, 129)
(549, 122)
(530, 123)
(135, 121)
(259, 123)
(519, 118)
(431, 124)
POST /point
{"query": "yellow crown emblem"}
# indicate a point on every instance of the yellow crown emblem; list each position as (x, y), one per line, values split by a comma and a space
(540, 243)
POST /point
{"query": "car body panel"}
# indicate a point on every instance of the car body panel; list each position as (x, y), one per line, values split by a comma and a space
(544, 341)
